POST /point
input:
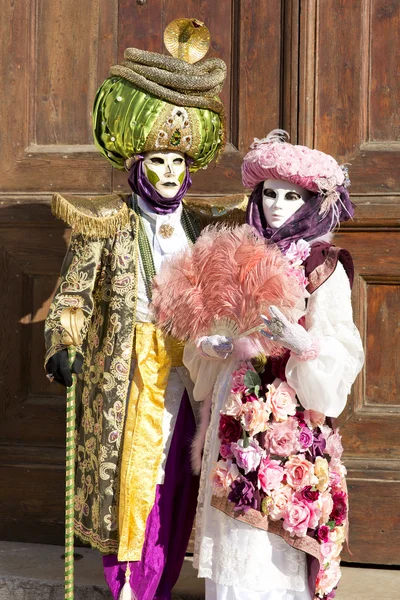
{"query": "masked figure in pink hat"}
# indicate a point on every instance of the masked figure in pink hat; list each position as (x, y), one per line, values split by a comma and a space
(272, 512)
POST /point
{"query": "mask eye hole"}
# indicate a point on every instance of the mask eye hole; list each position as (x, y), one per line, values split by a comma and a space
(157, 160)
(292, 196)
(269, 193)
(178, 161)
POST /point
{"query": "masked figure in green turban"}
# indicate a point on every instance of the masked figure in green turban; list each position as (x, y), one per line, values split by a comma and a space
(160, 118)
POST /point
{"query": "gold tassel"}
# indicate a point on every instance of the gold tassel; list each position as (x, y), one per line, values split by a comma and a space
(84, 214)
(127, 592)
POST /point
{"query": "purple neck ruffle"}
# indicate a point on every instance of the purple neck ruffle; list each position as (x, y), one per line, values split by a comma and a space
(306, 223)
(141, 186)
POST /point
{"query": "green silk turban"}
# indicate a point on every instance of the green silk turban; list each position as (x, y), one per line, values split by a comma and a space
(158, 102)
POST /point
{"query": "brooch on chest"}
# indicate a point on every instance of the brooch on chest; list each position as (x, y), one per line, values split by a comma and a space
(166, 230)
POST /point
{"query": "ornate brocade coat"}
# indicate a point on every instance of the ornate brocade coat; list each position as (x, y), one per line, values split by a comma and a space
(99, 276)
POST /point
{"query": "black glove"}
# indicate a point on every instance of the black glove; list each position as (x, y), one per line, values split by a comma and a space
(58, 366)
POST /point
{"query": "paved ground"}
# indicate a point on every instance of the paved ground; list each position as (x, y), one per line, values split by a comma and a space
(35, 572)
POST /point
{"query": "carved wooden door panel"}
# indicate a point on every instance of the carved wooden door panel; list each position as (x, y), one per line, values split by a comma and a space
(54, 55)
(349, 97)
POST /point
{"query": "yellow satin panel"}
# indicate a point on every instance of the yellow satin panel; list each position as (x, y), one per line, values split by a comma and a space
(143, 435)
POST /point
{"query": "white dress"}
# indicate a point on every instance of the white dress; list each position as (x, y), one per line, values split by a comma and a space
(239, 561)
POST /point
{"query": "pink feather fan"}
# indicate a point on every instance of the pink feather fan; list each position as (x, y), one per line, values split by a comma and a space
(222, 285)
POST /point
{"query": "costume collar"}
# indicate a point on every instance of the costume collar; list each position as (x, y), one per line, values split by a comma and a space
(172, 218)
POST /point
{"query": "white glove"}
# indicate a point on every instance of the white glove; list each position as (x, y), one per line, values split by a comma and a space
(289, 335)
(215, 346)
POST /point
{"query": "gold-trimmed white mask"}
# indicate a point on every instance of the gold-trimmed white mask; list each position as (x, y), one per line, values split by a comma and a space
(165, 170)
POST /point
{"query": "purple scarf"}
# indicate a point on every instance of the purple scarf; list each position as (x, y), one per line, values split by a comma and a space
(306, 223)
(141, 186)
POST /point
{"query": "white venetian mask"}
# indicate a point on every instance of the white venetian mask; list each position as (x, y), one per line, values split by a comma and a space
(165, 170)
(281, 199)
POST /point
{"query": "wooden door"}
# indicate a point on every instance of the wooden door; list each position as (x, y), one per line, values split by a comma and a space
(54, 55)
(349, 97)
(325, 71)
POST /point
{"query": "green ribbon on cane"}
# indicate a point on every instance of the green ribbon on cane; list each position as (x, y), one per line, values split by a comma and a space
(72, 320)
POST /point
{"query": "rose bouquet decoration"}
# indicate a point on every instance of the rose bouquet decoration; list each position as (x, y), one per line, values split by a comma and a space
(285, 463)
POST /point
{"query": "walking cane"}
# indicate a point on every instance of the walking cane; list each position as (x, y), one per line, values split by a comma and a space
(72, 321)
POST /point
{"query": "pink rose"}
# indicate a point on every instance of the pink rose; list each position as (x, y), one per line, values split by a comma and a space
(225, 450)
(330, 550)
(282, 401)
(338, 467)
(238, 386)
(270, 474)
(328, 578)
(326, 505)
(299, 472)
(281, 497)
(306, 437)
(282, 439)
(326, 431)
(247, 458)
(334, 479)
(337, 472)
(287, 167)
(297, 517)
(255, 416)
(334, 446)
(224, 472)
(298, 274)
(233, 406)
(298, 252)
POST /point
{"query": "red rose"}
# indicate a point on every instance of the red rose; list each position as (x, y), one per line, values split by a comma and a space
(339, 512)
(230, 430)
(323, 533)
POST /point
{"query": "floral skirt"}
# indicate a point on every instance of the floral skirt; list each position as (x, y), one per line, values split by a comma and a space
(278, 467)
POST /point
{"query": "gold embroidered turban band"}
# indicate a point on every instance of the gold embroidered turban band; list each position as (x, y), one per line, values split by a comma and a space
(153, 101)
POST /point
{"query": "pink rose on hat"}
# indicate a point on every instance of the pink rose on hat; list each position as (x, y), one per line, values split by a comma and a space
(275, 158)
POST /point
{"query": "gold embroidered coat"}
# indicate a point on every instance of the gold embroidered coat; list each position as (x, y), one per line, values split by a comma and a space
(99, 276)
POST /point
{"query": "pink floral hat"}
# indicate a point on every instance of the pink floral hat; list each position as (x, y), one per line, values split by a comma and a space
(275, 158)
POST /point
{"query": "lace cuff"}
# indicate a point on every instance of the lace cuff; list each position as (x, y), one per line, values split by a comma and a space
(311, 353)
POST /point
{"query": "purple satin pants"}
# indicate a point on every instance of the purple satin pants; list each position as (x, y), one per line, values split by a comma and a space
(169, 523)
